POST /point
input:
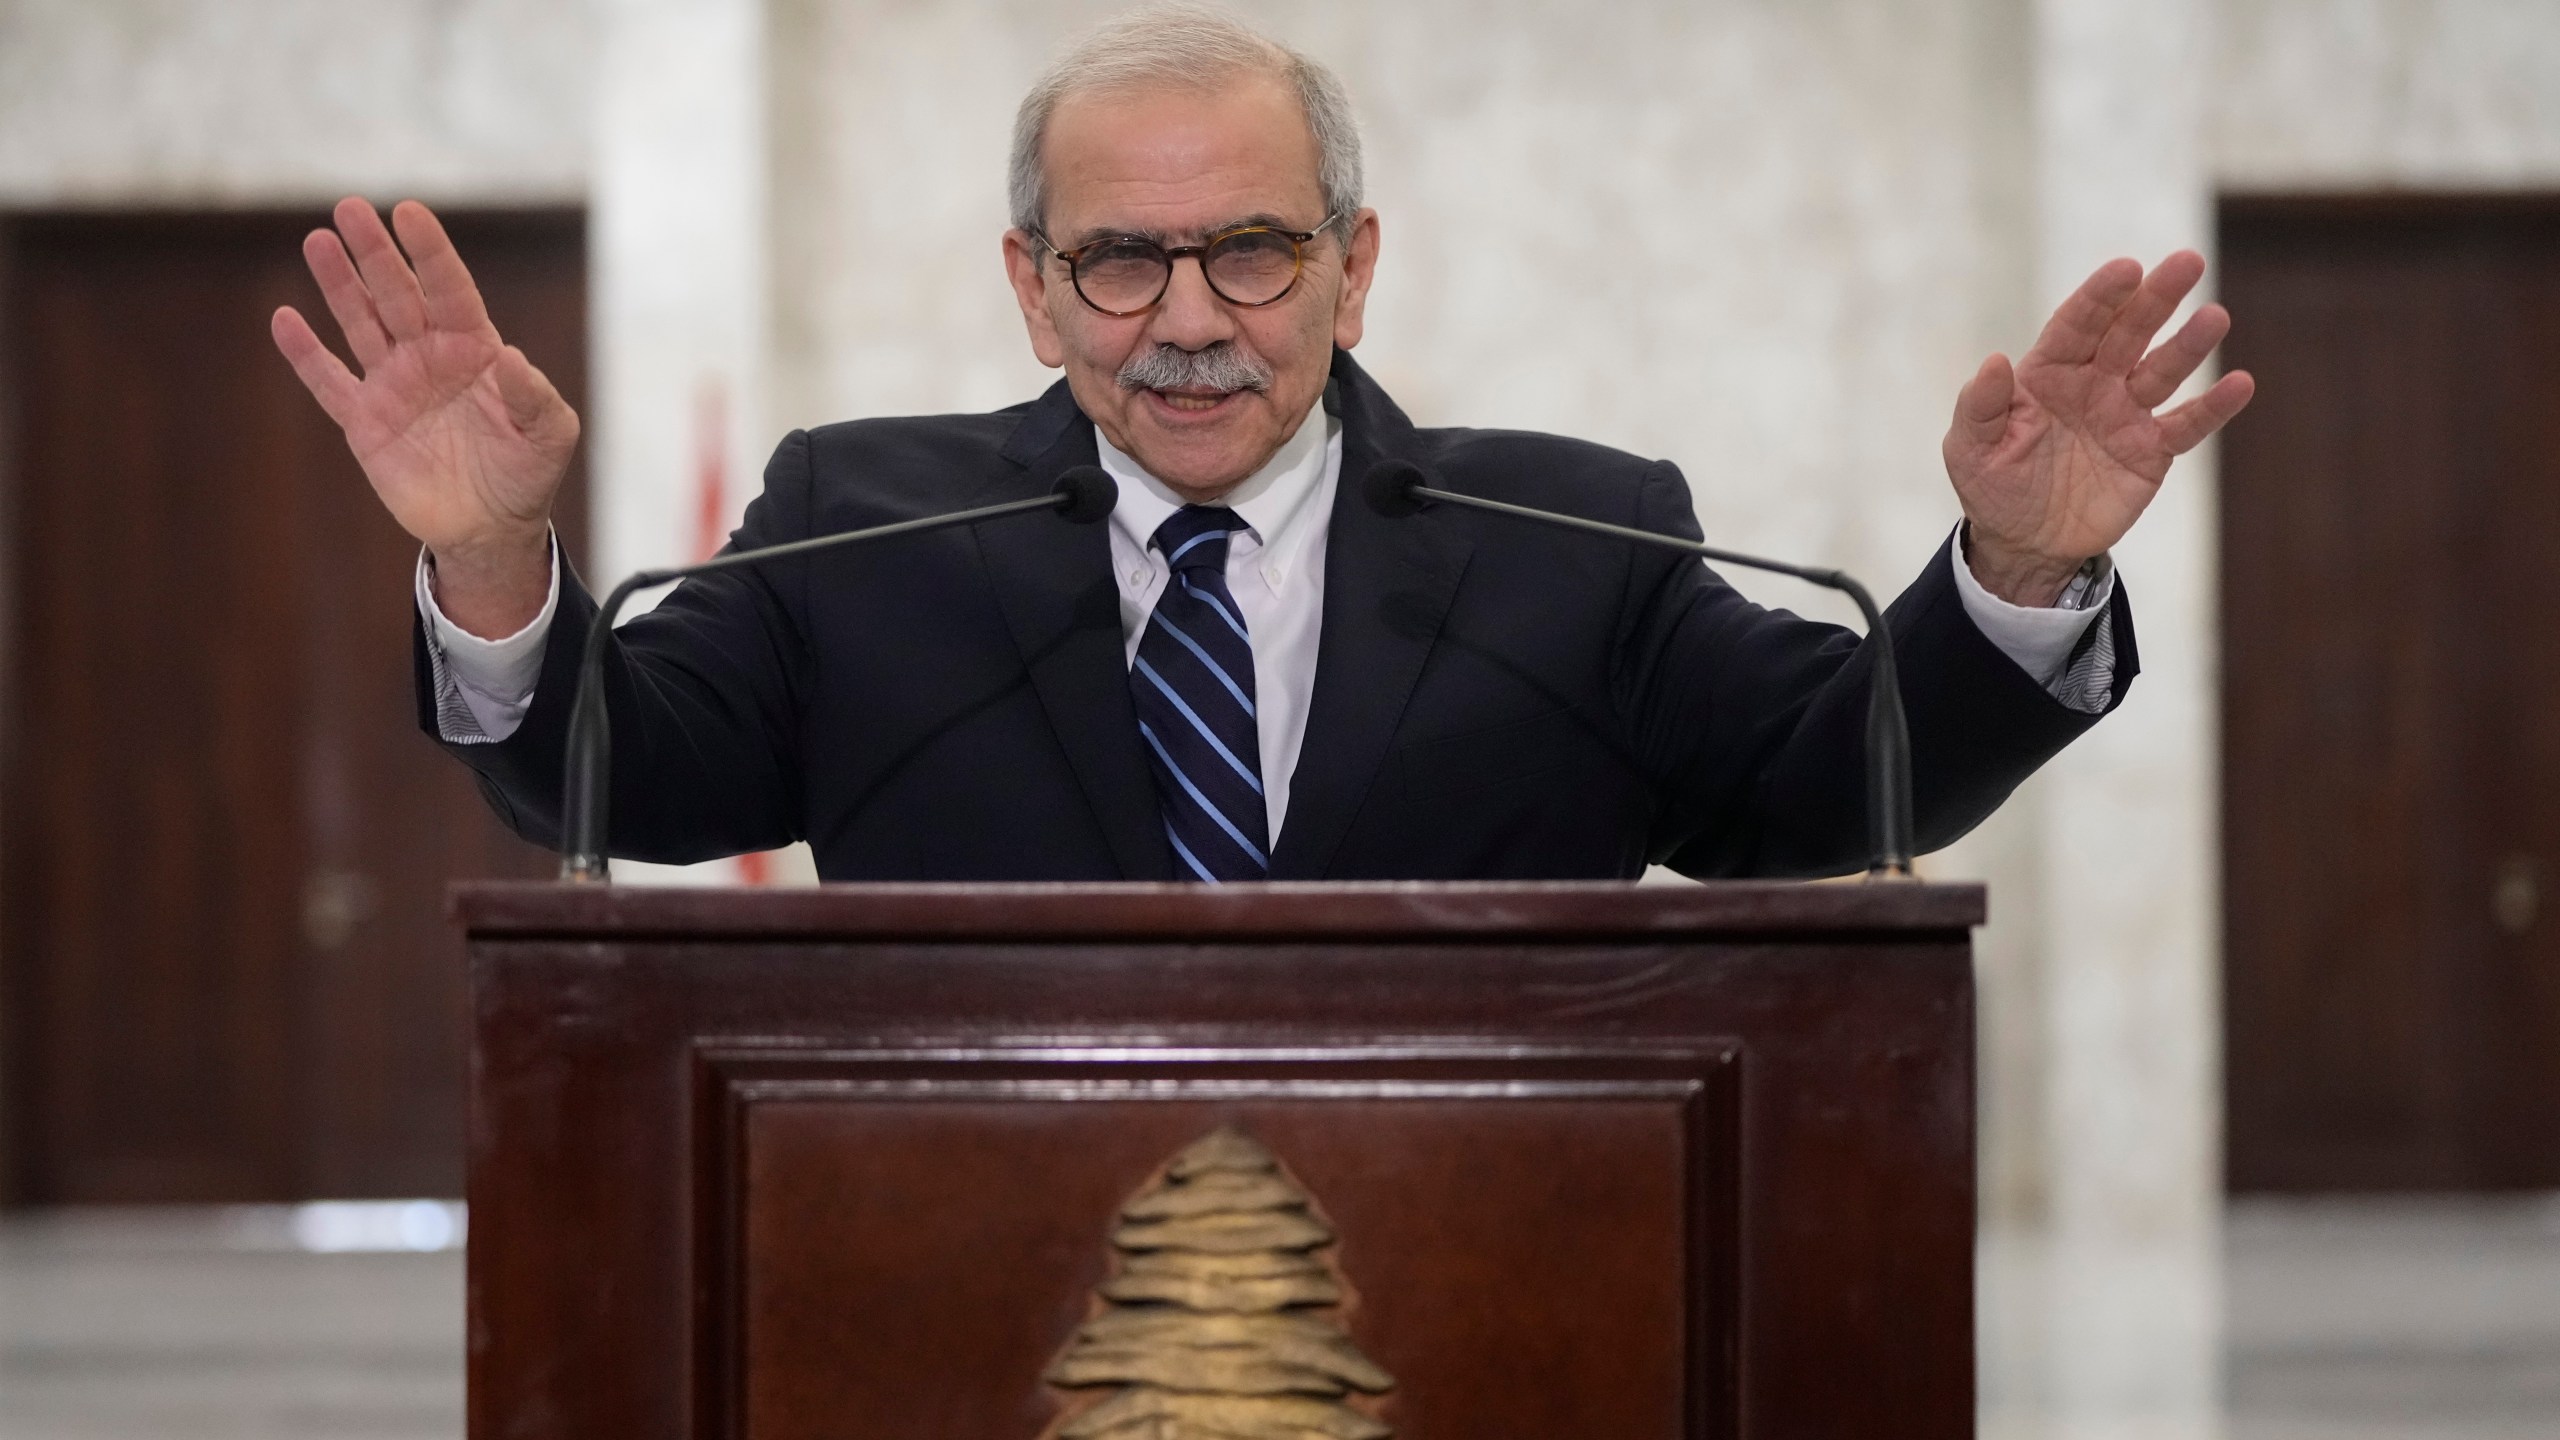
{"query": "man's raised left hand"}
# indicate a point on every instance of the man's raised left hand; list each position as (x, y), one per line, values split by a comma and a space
(2053, 459)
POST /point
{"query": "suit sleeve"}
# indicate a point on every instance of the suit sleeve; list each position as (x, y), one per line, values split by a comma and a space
(704, 694)
(1751, 723)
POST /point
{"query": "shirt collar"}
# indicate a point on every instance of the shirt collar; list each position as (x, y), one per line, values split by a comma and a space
(1272, 501)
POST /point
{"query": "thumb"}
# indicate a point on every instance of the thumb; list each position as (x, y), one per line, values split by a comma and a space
(532, 402)
(1982, 406)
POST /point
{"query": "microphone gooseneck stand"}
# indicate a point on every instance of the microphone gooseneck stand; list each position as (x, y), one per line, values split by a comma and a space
(1082, 496)
(1398, 488)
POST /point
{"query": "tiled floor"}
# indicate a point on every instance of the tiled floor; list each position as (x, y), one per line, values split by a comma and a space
(2413, 1321)
(2400, 1319)
(210, 1326)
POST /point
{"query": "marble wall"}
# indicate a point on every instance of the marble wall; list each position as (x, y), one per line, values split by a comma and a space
(2313, 94)
(266, 102)
(2104, 1290)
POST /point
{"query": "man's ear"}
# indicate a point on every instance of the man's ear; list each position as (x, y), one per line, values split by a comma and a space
(1031, 291)
(1359, 267)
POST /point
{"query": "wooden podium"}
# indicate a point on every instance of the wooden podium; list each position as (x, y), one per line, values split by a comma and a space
(1557, 1161)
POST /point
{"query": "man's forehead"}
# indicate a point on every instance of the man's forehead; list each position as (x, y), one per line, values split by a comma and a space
(1159, 162)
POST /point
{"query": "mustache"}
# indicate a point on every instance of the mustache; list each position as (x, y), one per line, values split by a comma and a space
(1220, 367)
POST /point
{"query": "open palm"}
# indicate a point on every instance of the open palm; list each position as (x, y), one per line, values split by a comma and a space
(464, 440)
(2054, 459)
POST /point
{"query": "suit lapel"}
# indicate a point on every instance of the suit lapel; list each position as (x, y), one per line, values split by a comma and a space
(1388, 585)
(1053, 584)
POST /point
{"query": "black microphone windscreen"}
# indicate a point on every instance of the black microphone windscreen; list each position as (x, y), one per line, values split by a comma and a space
(1388, 487)
(1085, 494)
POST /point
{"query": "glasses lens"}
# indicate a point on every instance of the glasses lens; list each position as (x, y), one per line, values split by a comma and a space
(1122, 274)
(1253, 267)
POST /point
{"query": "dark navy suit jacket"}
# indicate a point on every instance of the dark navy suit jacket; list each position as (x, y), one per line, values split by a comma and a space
(1492, 699)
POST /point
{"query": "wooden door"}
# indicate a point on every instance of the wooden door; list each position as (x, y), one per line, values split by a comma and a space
(228, 975)
(2391, 678)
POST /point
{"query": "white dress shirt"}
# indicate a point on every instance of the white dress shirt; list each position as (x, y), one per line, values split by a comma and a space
(1275, 568)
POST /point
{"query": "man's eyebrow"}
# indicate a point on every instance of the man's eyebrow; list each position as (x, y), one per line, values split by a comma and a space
(1265, 219)
(1132, 232)
(1096, 233)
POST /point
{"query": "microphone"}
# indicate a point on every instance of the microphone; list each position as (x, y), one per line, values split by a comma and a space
(1398, 488)
(1082, 496)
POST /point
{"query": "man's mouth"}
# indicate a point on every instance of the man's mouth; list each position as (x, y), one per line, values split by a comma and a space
(1192, 401)
(1192, 386)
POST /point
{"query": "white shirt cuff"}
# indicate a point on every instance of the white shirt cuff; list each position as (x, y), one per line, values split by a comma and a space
(2040, 639)
(483, 687)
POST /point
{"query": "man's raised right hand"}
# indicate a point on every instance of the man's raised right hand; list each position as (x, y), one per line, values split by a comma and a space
(465, 442)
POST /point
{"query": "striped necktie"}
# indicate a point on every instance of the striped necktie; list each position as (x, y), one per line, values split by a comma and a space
(1193, 682)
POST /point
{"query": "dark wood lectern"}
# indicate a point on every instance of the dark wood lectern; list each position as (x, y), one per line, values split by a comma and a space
(1593, 1160)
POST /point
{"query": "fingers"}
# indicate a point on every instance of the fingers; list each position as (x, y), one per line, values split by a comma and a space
(2072, 336)
(387, 278)
(452, 300)
(344, 290)
(2165, 369)
(1982, 406)
(322, 373)
(2152, 303)
(2186, 427)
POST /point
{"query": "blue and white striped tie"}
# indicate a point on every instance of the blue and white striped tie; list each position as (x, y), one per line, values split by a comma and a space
(1194, 686)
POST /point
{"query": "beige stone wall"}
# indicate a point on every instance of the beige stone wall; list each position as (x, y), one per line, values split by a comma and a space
(2352, 93)
(263, 102)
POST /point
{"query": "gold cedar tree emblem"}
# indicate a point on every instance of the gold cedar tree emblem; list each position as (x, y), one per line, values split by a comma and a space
(1208, 1328)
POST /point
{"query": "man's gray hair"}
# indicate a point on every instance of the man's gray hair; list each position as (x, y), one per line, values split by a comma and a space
(1185, 47)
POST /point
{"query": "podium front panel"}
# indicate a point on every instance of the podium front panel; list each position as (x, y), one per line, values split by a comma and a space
(1516, 1161)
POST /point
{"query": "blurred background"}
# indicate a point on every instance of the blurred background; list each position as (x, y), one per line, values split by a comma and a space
(2270, 1006)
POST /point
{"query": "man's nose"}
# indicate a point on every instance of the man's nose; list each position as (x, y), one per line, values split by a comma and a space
(1191, 316)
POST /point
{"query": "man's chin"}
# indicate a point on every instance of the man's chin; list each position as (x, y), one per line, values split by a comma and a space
(1202, 448)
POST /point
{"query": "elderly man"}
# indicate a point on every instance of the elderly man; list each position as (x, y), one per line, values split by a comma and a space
(1247, 674)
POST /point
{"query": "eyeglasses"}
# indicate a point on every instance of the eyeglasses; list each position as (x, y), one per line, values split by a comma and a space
(1251, 265)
